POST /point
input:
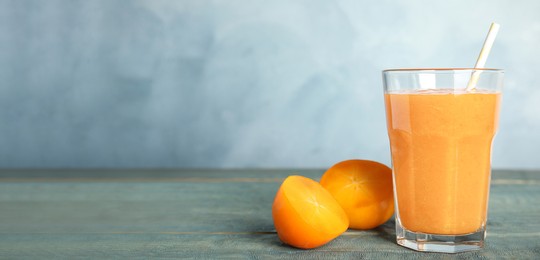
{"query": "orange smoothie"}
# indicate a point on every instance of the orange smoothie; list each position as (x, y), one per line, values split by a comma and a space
(441, 155)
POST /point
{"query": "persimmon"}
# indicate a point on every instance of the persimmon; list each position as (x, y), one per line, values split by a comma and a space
(305, 214)
(364, 190)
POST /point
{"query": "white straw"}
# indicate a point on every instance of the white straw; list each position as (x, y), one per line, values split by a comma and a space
(484, 53)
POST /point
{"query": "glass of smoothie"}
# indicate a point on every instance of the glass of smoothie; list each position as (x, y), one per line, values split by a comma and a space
(441, 124)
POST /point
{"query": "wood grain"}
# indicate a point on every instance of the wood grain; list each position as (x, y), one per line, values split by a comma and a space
(210, 214)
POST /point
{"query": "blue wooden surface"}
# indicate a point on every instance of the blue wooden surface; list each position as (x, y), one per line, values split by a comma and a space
(212, 214)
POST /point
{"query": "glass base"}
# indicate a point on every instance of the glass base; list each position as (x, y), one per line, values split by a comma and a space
(440, 243)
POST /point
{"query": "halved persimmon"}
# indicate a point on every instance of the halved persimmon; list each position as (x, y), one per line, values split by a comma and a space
(305, 214)
(363, 189)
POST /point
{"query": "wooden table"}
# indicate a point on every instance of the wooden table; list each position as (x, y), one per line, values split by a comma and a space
(212, 214)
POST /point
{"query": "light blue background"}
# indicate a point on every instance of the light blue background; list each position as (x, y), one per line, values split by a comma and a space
(235, 83)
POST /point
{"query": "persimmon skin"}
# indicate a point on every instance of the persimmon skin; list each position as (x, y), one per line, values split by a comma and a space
(305, 215)
(364, 189)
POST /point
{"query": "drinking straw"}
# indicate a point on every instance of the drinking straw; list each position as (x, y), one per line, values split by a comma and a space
(481, 61)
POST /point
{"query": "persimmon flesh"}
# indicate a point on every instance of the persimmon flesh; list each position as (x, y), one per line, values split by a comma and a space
(305, 214)
(364, 190)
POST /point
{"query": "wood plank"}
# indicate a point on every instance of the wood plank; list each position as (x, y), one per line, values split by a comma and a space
(44, 207)
(148, 174)
(51, 217)
(195, 175)
(258, 246)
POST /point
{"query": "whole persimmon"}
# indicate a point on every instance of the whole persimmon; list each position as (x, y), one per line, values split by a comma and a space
(305, 214)
(364, 190)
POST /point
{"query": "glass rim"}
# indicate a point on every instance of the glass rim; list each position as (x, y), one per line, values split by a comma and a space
(442, 70)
